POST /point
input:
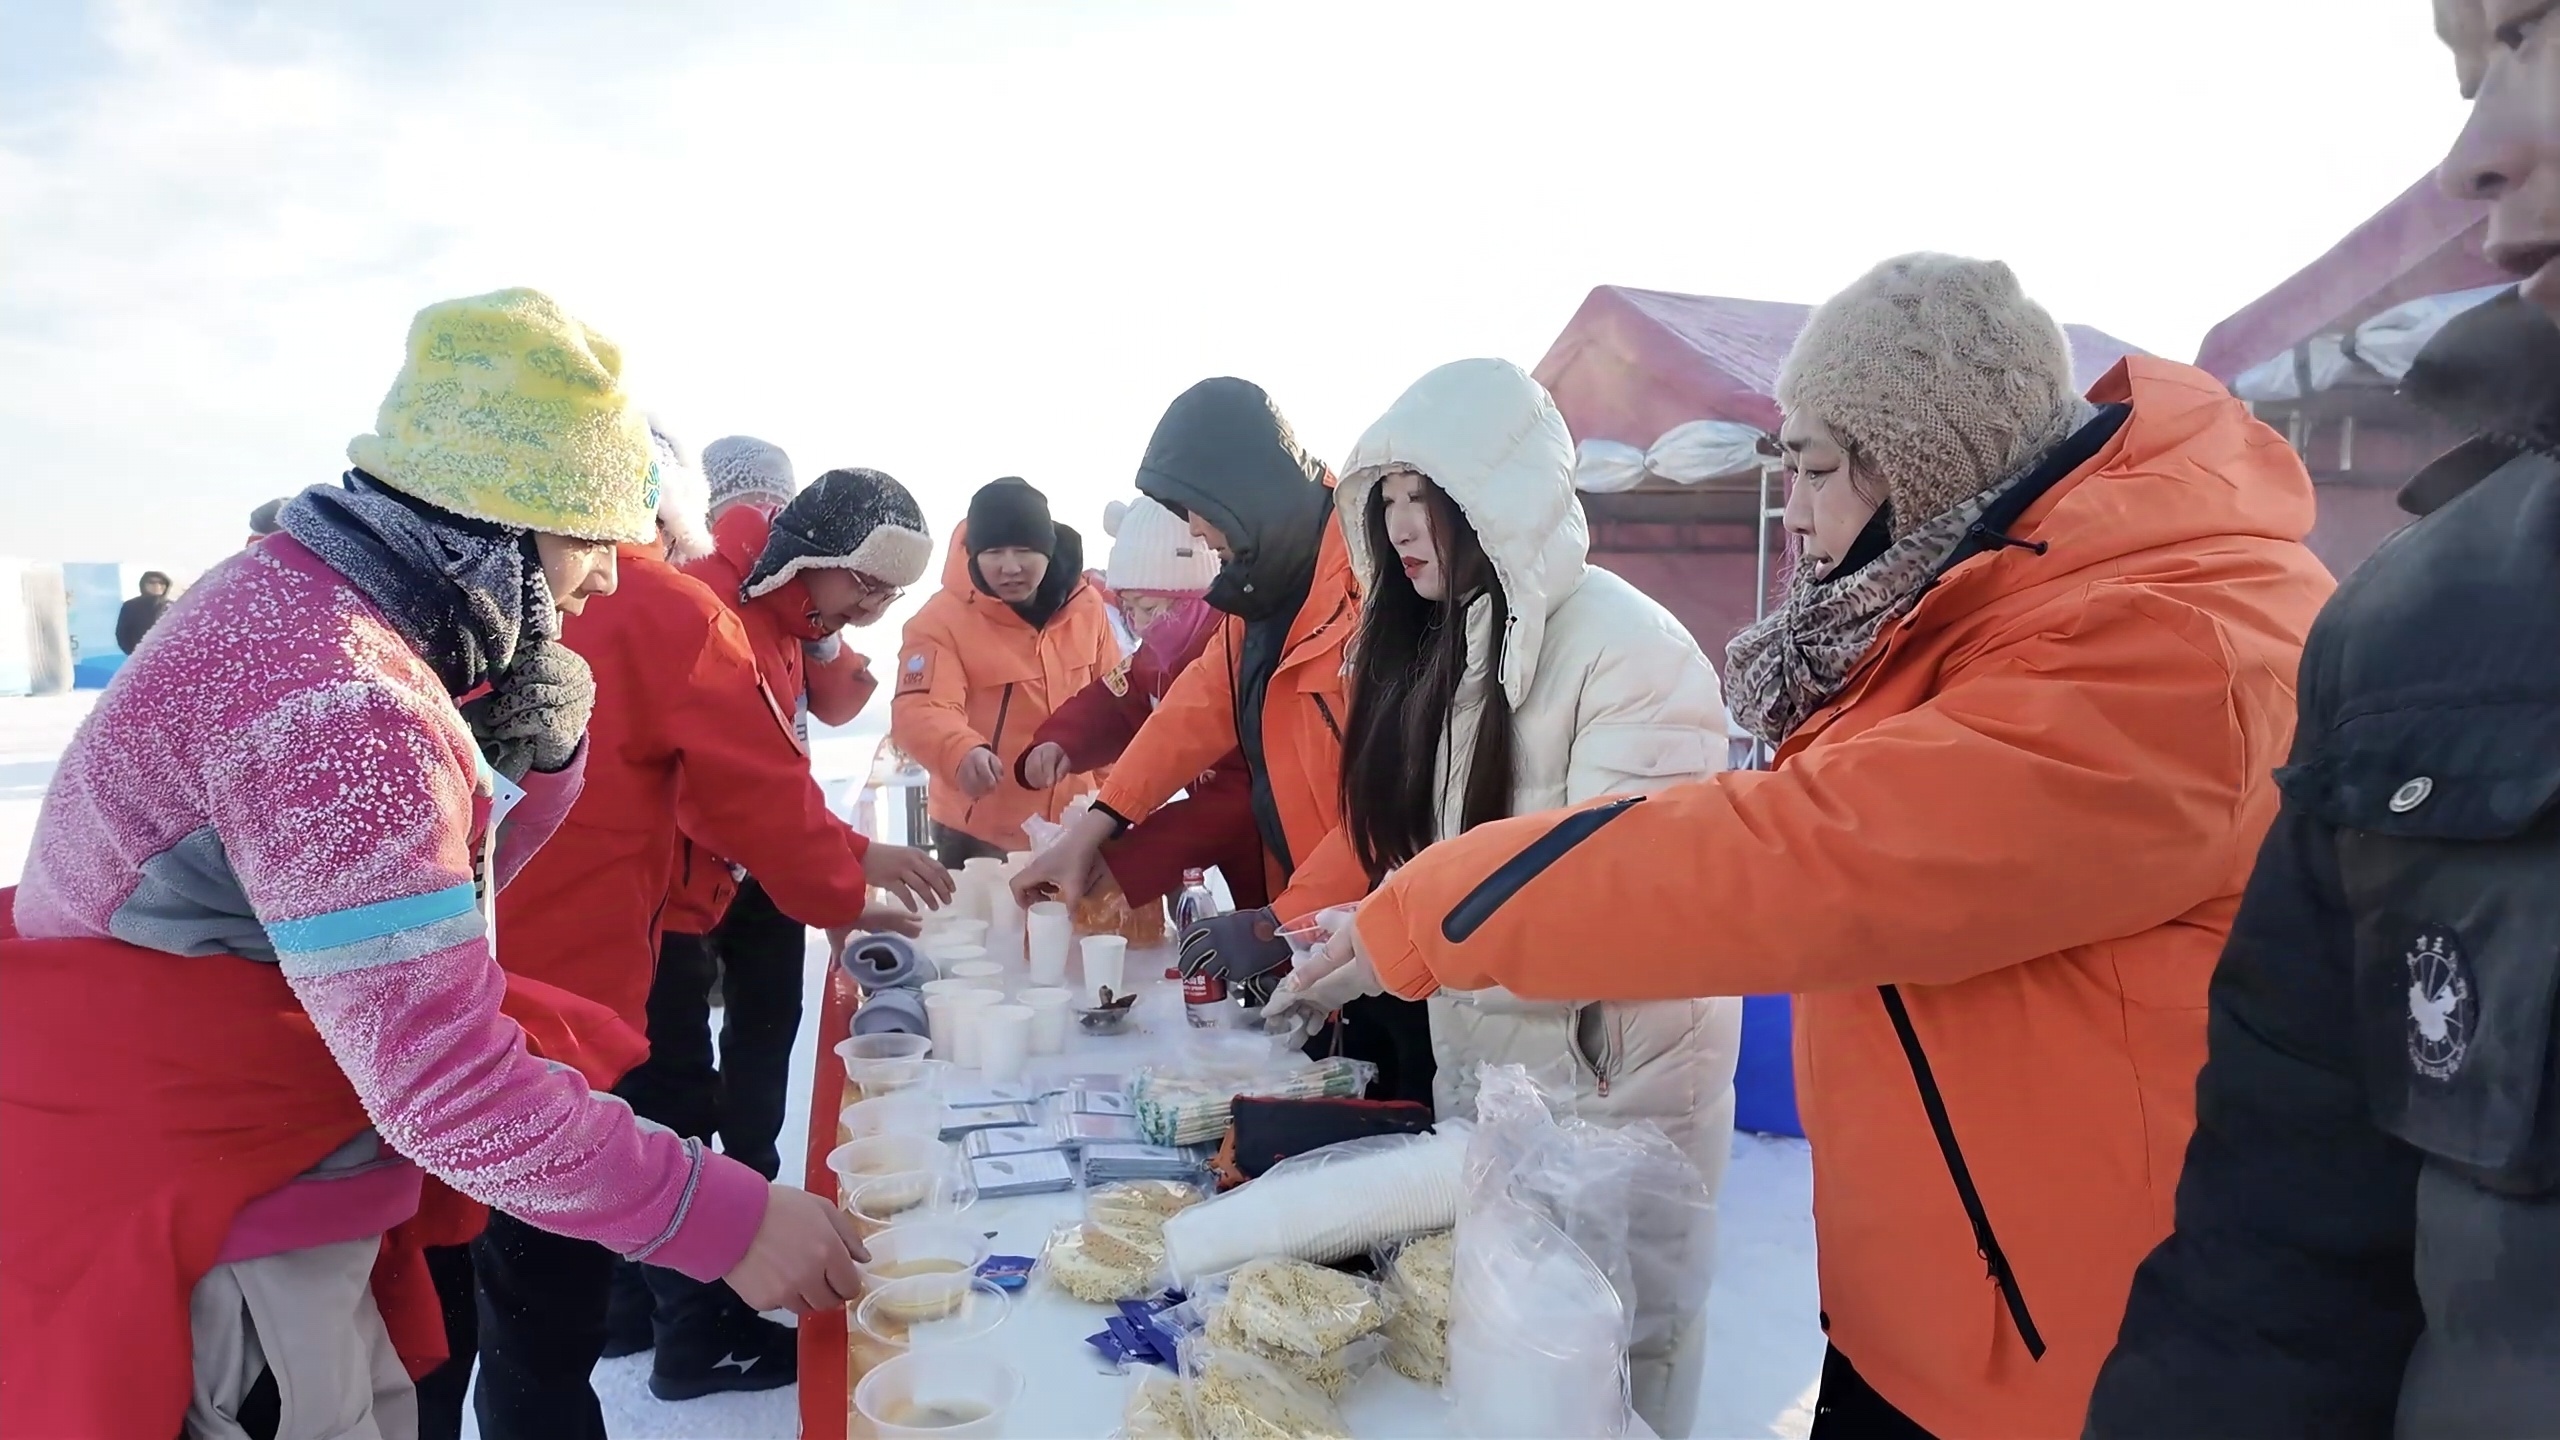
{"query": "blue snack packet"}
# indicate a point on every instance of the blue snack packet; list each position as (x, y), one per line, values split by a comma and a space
(1007, 1272)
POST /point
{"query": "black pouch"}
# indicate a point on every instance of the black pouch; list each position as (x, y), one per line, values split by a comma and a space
(1266, 1132)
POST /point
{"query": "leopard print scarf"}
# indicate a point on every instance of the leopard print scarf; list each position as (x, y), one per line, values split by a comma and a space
(1788, 665)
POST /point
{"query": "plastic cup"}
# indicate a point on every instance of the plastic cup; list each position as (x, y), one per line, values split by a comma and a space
(976, 884)
(1052, 930)
(953, 926)
(939, 1393)
(883, 1201)
(1004, 1042)
(856, 1049)
(965, 1008)
(875, 1078)
(874, 1155)
(984, 974)
(1106, 959)
(1051, 1008)
(907, 1112)
(925, 1248)
(953, 954)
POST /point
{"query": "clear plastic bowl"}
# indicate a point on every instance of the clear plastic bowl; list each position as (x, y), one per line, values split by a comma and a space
(859, 1160)
(924, 1311)
(924, 1248)
(884, 1201)
(905, 1112)
(954, 1393)
(856, 1048)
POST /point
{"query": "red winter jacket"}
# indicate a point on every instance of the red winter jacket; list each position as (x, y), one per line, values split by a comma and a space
(1213, 825)
(679, 704)
(777, 627)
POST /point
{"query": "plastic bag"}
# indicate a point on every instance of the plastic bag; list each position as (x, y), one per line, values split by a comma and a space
(1237, 1396)
(1704, 450)
(1189, 1103)
(1604, 467)
(1327, 1204)
(1102, 1264)
(1147, 1203)
(1318, 1324)
(1159, 1408)
(1579, 1244)
(1416, 1276)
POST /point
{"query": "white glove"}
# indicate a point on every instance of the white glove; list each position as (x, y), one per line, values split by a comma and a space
(1328, 979)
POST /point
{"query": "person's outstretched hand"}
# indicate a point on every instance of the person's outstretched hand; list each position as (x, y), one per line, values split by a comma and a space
(1046, 765)
(980, 772)
(911, 875)
(802, 1258)
(891, 920)
(1070, 867)
(1329, 979)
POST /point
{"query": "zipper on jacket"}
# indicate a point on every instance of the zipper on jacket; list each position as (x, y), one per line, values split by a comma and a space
(1609, 1050)
(1985, 1244)
(1327, 712)
(1494, 891)
(995, 743)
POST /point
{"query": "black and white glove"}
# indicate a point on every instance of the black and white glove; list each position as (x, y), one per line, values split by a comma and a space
(1236, 947)
(534, 716)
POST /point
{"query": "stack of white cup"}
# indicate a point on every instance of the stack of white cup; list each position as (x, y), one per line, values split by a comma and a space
(1049, 1005)
(1105, 963)
(1051, 932)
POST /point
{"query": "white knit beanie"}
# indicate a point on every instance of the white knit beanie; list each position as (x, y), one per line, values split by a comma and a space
(1939, 374)
(684, 502)
(742, 467)
(1151, 549)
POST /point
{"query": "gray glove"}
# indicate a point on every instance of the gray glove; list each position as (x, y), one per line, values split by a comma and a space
(1243, 945)
(535, 715)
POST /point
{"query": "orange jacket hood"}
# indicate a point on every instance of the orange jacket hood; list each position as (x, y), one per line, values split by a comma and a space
(2031, 811)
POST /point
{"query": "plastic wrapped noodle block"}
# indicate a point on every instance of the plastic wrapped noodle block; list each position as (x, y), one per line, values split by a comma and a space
(1236, 1396)
(1102, 1264)
(1417, 1329)
(1157, 1409)
(1143, 1202)
(1298, 1307)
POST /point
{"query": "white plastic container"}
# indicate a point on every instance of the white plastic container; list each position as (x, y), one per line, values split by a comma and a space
(984, 974)
(1004, 1042)
(1106, 959)
(907, 1112)
(1052, 932)
(939, 1393)
(966, 1007)
(1052, 1010)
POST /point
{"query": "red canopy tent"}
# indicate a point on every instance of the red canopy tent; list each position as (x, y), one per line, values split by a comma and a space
(2360, 440)
(1633, 364)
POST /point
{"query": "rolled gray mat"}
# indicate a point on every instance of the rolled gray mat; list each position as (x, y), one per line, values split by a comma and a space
(897, 1011)
(886, 962)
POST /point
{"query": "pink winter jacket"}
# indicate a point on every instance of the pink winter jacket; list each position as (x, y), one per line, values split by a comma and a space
(276, 775)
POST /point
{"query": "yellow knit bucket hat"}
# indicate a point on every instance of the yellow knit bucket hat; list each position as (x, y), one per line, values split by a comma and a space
(508, 410)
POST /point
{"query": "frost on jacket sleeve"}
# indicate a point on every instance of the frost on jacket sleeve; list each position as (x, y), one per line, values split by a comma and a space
(1190, 731)
(349, 831)
(2057, 794)
(547, 800)
(746, 793)
(2284, 1302)
(929, 712)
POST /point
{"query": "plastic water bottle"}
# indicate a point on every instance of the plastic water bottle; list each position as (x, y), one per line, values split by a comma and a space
(1204, 996)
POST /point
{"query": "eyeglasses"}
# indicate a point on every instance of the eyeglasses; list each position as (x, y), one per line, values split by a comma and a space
(881, 591)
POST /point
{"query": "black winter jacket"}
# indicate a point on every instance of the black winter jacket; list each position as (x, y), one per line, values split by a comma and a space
(2368, 1225)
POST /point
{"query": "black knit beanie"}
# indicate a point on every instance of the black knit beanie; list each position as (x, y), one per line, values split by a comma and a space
(1007, 513)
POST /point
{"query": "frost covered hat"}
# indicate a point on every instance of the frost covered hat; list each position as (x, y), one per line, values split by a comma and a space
(742, 467)
(846, 520)
(1939, 375)
(510, 411)
(684, 501)
(1152, 550)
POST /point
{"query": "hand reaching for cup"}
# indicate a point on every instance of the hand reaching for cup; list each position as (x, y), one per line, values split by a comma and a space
(1329, 978)
(1071, 866)
(802, 1258)
(911, 875)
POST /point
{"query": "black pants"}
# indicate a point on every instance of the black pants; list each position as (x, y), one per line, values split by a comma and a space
(1395, 1036)
(542, 1302)
(765, 955)
(1847, 1409)
(441, 1390)
(955, 848)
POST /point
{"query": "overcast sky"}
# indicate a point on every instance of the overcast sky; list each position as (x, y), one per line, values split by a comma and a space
(956, 240)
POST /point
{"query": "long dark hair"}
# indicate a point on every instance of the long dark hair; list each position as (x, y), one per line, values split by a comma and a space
(1411, 655)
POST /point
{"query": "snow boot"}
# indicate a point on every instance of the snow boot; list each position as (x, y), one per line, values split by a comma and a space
(628, 1327)
(709, 1342)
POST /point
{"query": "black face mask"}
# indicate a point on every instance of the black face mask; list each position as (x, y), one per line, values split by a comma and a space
(1871, 542)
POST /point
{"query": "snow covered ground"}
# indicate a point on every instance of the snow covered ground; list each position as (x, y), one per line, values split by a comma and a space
(1764, 1345)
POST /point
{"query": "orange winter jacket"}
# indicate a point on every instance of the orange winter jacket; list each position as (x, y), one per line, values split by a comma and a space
(680, 714)
(2026, 819)
(973, 672)
(776, 625)
(1303, 711)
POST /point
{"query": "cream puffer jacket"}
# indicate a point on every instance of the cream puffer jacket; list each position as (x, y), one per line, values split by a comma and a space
(1608, 695)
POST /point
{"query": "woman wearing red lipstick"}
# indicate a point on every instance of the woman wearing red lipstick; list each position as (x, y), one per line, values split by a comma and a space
(1499, 674)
